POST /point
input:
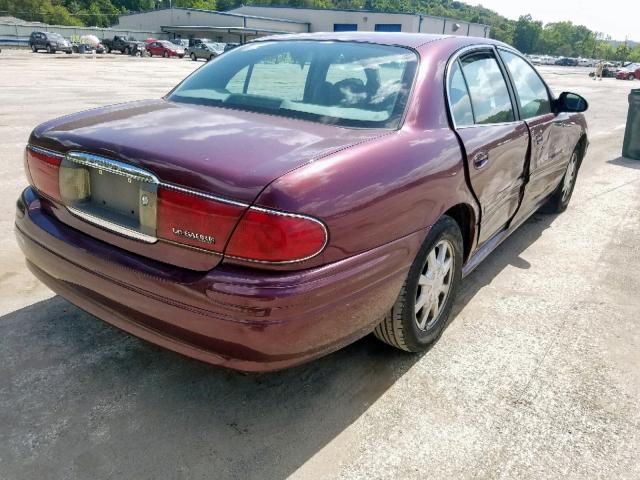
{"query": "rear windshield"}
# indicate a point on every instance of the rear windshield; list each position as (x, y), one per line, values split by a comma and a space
(341, 83)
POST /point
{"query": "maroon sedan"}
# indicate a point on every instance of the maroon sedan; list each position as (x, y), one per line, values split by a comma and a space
(630, 72)
(165, 49)
(298, 193)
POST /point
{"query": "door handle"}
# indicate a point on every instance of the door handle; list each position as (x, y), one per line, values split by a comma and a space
(480, 160)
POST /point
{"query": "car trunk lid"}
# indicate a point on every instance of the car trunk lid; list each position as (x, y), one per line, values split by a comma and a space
(179, 174)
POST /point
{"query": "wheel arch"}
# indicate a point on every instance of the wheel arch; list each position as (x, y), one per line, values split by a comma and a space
(464, 215)
(581, 146)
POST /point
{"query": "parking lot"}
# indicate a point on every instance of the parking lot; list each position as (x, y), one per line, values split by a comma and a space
(536, 376)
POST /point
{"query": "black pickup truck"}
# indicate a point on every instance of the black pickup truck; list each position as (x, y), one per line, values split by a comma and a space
(124, 44)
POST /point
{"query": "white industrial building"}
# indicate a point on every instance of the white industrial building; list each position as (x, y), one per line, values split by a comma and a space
(248, 22)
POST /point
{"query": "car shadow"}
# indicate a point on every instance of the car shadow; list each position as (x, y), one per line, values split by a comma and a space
(80, 398)
(507, 254)
(625, 162)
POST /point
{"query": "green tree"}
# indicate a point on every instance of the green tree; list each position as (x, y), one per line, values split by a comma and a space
(527, 34)
(623, 52)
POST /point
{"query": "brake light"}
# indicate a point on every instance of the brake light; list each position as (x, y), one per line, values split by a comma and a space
(270, 236)
(197, 220)
(43, 170)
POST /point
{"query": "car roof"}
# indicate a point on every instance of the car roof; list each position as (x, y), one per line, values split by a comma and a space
(411, 40)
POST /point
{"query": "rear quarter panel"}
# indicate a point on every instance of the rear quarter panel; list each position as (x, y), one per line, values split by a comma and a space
(375, 192)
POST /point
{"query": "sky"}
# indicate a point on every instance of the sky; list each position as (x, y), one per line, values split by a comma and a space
(618, 18)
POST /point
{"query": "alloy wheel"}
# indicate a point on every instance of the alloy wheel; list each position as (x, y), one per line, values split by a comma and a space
(434, 285)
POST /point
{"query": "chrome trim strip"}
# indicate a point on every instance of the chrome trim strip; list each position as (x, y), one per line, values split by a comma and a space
(190, 247)
(197, 193)
(112, 166)
(44, 151)
(114, 227)
(285, 214)
(121, 168)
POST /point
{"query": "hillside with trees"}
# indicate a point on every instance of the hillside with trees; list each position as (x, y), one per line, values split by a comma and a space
(526, 34)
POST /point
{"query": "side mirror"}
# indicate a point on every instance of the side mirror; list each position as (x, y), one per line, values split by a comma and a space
(571, 103)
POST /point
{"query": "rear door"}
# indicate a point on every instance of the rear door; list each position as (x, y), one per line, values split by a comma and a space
(201, 51)
(495, 141)
(549, 155)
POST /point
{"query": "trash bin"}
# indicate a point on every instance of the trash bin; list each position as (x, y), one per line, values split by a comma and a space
(631, 146)
(81, 48)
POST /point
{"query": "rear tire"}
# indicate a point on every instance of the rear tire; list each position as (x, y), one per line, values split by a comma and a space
(559, 200)
(193, 57)
(50, 50)
(419, 315)
(107, 49)
(165, 55)
(34, 49)
(126, 51)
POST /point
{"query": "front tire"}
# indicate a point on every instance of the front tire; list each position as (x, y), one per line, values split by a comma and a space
(50, 50)
(559, 200)
(419, 315)
(165, 55)
(193, 57)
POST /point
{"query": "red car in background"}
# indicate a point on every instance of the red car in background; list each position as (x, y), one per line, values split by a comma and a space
(165, 49)
(630, 72)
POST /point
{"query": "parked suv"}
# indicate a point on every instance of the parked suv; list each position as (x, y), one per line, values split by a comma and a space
(51, 42)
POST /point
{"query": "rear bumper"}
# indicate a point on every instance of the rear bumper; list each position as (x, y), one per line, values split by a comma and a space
(237, 318)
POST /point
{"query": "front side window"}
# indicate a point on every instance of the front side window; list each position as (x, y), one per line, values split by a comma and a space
(342, 83)
(487, 88)
(533, 97)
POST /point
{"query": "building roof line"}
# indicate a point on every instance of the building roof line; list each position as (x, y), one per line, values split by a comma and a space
(358, 10)
(168, 28)
(215, 12)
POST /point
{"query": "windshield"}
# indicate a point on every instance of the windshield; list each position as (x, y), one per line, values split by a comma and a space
(341, 83)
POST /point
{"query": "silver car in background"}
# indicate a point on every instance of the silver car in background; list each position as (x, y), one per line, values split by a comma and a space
(206, 50)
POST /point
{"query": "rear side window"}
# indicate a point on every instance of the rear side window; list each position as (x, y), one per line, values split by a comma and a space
(459, 99)
(487, 88)
(533, 97)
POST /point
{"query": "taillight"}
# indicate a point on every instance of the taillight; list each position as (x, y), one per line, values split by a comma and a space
(265, 235)
(43, 171)
(197, 220)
